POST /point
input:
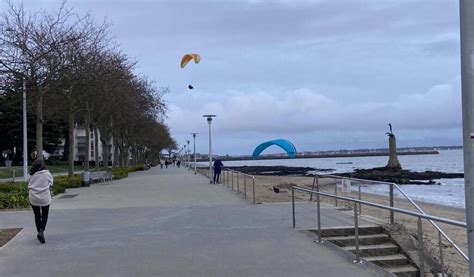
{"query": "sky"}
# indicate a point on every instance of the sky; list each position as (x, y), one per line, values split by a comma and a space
(324, 74)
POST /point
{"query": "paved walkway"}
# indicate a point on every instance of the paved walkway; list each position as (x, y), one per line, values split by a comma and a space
(170, 222)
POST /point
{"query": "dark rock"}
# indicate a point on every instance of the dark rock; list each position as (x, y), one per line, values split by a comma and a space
(401, 176)
(273, 170)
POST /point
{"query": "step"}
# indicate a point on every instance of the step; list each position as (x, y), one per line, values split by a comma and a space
(382, 249)
(363, 239)
(349, 230)
(389, 260)
(405, 270)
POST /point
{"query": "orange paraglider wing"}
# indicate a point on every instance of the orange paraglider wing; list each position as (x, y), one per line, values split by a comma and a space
(189, 57)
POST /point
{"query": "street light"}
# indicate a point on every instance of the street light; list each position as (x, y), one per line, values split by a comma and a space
(209, 120)
(184, 147)
(25, 136)
(25, 133)
(194, 146)
(189, 158)
(467, 83)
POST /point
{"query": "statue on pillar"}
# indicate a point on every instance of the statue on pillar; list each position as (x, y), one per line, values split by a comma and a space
(393, 162)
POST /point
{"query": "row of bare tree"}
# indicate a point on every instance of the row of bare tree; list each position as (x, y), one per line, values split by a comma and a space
(71, 68)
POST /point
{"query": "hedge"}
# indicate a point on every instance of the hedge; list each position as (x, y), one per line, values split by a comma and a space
(122, 172)
(14, 195)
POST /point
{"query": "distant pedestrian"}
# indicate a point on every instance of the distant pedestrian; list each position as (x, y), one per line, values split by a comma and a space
(178, 163)
(161, 164)
(217, 170)
(174, 162)
(166, 163)
(40, 196)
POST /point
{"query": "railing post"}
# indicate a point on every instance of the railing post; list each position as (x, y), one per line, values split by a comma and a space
(238, 182)
(232, 180)
(293, 206)
(318, 209)
(356, 234)
(421, 253)
(335, 192)
(253, 189)
(245, 187)
(360, 198)
(392, 214)
(13, 175)
(312, 188)
(441, 259)
(227, 178)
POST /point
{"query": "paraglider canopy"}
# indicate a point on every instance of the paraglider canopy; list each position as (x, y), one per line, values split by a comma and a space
(189, 57)
(282, 143)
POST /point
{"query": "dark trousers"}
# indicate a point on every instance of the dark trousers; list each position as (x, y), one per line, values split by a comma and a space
(217, 174)
(41, 216)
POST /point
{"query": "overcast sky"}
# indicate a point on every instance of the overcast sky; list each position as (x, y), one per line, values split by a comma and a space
(325, 74)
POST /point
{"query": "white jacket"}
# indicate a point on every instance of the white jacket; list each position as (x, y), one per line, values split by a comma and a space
(38, 187)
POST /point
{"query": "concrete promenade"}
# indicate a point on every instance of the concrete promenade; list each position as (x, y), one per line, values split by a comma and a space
(170, 222)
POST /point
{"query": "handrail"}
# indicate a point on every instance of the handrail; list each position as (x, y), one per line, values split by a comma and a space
(358, 202)
(225, 180)
(398, 210)
(409, 200)
(245, 183)
(245, 174)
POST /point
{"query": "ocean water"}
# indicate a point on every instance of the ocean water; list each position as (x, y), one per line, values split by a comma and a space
(449, 192)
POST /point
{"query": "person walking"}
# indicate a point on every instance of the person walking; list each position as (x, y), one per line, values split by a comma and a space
(217, 170)
(39, 184)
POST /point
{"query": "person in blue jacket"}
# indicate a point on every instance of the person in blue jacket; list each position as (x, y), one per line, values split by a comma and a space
(217, 170)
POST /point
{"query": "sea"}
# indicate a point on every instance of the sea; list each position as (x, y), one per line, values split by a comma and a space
(448, 192)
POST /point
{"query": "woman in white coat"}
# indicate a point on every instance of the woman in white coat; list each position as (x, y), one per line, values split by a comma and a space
(39, 195)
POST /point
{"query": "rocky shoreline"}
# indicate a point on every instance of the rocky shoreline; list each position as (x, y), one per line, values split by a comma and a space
(402, 176)
(377, 174)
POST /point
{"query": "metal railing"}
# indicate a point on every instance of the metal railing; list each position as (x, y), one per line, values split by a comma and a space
(229, 176)
(228, 180)
(391, 200)
(358, 203)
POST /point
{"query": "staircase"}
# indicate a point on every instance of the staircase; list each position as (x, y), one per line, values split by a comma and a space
(375, 246)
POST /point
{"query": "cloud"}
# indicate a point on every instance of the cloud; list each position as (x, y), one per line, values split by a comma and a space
(305, 110)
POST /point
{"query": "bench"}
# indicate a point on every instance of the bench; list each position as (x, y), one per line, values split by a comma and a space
(100, 176)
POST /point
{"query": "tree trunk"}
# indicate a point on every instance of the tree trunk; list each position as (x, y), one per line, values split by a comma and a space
(88, 144)
(96, 149)
(39, 126)
(393, 162)
(71, 144)
(105, 152)
(116, 155)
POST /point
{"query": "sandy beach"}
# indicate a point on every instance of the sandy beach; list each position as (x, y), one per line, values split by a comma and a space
(454, 262)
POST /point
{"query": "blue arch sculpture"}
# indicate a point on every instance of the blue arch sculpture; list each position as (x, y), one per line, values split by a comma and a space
(283, 143)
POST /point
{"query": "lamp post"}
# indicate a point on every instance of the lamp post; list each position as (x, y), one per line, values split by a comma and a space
(209, 121)
(466, 16)
(25, 136)
(189, 158)
(185, 153)
(194, 146)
